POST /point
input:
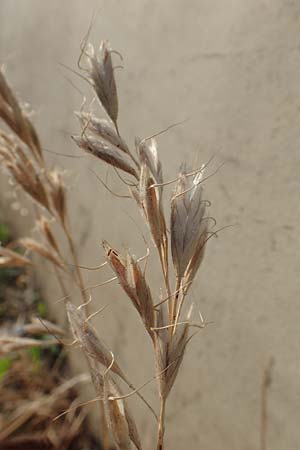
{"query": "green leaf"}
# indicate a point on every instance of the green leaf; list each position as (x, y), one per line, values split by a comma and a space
(35, 354)
(41, 309)
(4, 233)
(5, 365)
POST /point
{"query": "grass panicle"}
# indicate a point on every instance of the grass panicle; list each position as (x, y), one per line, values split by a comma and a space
(178, 223)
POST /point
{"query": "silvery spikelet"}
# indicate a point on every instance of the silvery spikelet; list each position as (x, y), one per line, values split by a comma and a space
(106, 151)
(102, 128)
(102, 77)
(188, 224)
(150, 196)
(132, 280)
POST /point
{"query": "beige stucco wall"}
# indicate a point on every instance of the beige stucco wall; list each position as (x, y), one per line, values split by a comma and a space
(232, 67)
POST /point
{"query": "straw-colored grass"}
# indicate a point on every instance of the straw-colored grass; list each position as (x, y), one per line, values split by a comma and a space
(180, 228)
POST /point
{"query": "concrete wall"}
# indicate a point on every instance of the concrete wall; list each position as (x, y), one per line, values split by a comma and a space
(231, 67)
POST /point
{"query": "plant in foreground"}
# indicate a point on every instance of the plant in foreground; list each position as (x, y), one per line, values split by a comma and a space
(181, 239)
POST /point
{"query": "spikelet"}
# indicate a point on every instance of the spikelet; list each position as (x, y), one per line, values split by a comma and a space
(101, 75)
(85, 334)
(117, 413)
(134, 284)
(40, 249)
(87, 337)
(188, 226)
(17, 120)
(102, 128)
(150, 197)
(45, 229)
(105, 151)
(58, 195)
(169, 352)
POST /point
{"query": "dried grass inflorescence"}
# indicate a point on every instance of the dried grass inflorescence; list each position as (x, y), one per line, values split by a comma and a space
(189, 229)
(179, 227)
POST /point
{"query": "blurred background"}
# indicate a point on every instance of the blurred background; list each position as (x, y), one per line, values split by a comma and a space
(230, 70)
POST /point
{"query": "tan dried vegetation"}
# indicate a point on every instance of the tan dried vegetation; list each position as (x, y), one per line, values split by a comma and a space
(180, 239)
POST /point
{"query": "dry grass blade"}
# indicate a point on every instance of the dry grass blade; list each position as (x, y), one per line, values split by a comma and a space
(10, 344)
(36, 442)
(39, 327)
(9, 258)
(30, 407)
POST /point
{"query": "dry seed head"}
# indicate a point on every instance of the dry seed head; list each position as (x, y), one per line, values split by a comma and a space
(150, 200)
(40, 249)
(101, 74)
(195, 262)
(30, 182)
(6, 156)
(58, 195)
(9, 258)
(102, 128)
(142, 293)
(176, 352)
(14, 116)
(147, 150)
(106, 152)
(115, 417)
(133, 281)
(188, 224)
(114, 391)
(87, 337)
(118, 416)
(45, 228)
(25, 161)
(169, 353)
(21, 168)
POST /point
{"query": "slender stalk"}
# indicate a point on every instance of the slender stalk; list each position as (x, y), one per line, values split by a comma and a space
(179, 309)
(265, 386)
(129, 152)
(161, 424)
(77, 268)
(164, 265)
(168, 290)
(60, 281)
(175, 301)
